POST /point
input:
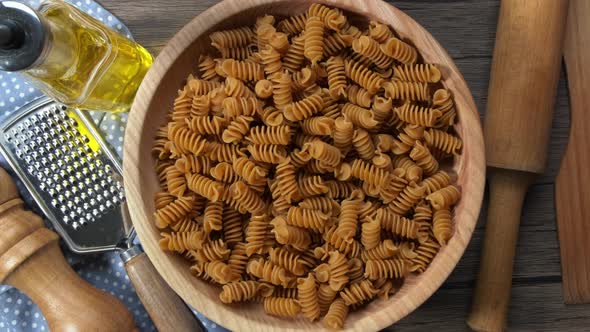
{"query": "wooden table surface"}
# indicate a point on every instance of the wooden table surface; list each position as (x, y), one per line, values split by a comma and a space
(466, 28)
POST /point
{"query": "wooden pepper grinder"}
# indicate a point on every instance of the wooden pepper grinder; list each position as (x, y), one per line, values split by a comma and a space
(523, 85)
(31, 260)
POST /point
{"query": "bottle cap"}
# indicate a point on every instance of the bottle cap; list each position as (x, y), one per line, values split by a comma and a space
(22, 36)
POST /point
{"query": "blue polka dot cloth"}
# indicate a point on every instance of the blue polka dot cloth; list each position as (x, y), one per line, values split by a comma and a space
(104, 271)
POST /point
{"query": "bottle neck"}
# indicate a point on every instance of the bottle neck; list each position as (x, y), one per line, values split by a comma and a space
(58, 55)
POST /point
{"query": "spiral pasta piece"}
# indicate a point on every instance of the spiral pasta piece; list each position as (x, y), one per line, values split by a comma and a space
(305, 218)
(335, 42)
(238, 53)
(304, 108)
(162, 199)
(371, 233)
(293, 25)
(336, 314)
(396, 185)
(232, 38)
(271, 60)
(186, 140)
(442, 100)
(336, 77)
(399, 225)
(287, 182)
(343, 132)
(350, 249)
(232, 226)
(324, 204)
(213, 251)
(364, 146)
(308, 297)
(267, 153)
(442, 226)
(358, 96)
(407, 139)
(407, 198)
(213, 217)
(241, 291)
(444, 197)
(175, 182)
(422, 156)
(349, 211)
(443, 141)
(413, 171)
(407, 55)
(269, 272)
(368, 47)
(358, 293)
(233, 107)
(173, 212)
(424, 255)
(193, 164)
(248, 199)
(384, 250)
(369, 173)
(286, 234)
(325, 153)
(280, 135)
(388, 268)
(207, 68)
(326, 296)
(288, 260)
(361, 117)
(331, 17)
(263, 89)
(279, 306)
(318, 125)
(437, 181)
(295, 55)
(237, 129)
(224, 152)
(201, 87)
(238, 259)
(417, 115)
(382, 110)
(408, 91)
(181, 241)
(282, 95)
(379, 31)
(425, 73)
(242, 70)
(313, 49)
(256, 233)
(363, 76)
(236, 88)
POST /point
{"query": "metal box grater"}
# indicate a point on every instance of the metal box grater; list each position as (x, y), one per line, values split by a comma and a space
(72, 174)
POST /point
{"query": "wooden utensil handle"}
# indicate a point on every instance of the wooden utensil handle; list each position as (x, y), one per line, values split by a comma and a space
(167, 310)
(492, 293)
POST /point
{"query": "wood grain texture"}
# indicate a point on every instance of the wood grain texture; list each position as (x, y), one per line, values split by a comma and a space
(30, 260)
(156, 94)
(572, 194)
(466, 28)
(156, 295)
(517, 127)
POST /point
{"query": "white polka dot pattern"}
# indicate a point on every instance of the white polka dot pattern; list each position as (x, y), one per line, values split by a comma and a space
(105, 271)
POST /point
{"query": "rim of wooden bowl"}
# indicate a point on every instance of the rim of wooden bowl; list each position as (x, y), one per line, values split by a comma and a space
(148, 113)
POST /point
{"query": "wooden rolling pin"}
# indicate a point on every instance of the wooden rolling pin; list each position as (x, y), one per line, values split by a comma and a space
(30, 260)
(523, 84)
(572, 193)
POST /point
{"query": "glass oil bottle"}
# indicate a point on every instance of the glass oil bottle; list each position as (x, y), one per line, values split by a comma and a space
(71, 56)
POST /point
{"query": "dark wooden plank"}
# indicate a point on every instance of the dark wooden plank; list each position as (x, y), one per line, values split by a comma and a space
(466, 28)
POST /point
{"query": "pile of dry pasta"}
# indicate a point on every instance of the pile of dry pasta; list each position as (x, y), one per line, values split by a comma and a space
(300, 167)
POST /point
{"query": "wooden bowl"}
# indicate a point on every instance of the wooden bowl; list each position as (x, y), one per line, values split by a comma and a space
(155, 98)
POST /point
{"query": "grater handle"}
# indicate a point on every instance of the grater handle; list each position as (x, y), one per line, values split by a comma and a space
(30, 260)
(167, 310)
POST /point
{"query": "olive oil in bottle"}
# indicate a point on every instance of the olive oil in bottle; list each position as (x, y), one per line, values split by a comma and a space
(70, 56)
